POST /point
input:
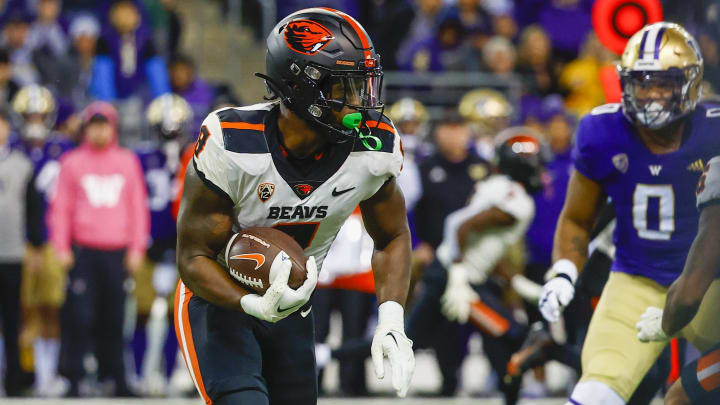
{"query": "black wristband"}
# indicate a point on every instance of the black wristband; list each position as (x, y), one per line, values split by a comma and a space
(565, 276)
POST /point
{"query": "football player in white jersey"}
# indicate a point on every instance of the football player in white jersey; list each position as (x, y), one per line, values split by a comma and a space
(499, 212)
(301, 164)
(478, 236)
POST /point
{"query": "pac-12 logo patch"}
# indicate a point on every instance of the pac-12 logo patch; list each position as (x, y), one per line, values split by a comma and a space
(621, 162)
(265, 191)
(306, 36)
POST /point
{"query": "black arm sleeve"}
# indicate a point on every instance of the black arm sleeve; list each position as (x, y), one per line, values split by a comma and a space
(606, 215)
(35, 213)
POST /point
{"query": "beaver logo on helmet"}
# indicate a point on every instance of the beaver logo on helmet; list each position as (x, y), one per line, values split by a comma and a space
(307, 37)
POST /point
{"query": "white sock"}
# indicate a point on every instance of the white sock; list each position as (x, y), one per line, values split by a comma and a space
(594, 393)
(46, 352)
(323, 355)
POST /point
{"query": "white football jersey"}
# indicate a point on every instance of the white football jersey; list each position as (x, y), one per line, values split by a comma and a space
(239, 156)
(485, 249)
(708, 191)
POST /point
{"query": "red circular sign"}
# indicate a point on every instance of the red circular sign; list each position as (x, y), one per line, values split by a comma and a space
(615, 21)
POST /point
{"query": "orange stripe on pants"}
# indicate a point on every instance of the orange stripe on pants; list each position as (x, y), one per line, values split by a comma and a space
(183, 331)
(487, 319)
(708, 371)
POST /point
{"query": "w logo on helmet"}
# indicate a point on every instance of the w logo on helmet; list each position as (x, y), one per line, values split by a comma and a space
(307, 37)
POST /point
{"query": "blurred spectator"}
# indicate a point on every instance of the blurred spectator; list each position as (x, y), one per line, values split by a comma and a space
(535, 62)
(72, 8)
(224, 96)
(499, 56)
(8, 86)
(581, 77)
(185, 82)
(70, 74)
(43, 290)
(710, 49)
(15, 177)
(47, 34)
(11, 7)
(15, 39)
(447, 177)
(504, 25)
(531, 112)
(393, 21)
(166, 24)
(441, 52)
(424, 22)
(126, 57)
(474, 19)
(692, 15)
(567, 22)
(476, 23)
(99, 227)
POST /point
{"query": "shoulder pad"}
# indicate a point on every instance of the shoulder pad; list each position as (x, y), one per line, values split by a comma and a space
(243, 128)
(382, 129)
(610, 108)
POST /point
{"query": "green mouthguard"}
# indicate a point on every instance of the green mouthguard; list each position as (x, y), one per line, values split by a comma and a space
(352, 121)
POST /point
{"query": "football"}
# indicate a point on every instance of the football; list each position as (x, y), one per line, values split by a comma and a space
(249, 256)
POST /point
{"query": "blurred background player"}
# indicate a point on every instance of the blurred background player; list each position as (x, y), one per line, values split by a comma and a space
(100, 227)
(479, 235)
(43, 290)
(641, 154)
(16, 174)
(487, 112)
(169, 119)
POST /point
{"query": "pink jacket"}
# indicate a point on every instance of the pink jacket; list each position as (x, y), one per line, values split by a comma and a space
(100, 200)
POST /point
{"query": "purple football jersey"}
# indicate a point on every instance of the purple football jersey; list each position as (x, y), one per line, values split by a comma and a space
(654, 195)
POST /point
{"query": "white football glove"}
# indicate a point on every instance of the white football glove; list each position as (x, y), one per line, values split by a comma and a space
(559, 291)
(294, 299)
(458, 294)
(390, 341)
(650, 326)
(279, 299)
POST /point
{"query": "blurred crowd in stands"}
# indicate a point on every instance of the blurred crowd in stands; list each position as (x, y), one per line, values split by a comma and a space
(87, 271)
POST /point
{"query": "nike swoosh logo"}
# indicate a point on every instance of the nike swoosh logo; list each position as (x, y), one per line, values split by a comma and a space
(257, 257)
(336, 193)
(306, 312)
(284, 309)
